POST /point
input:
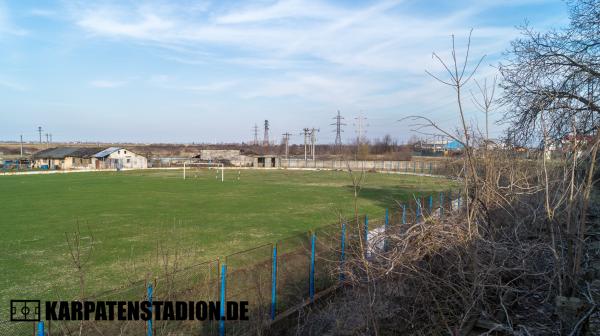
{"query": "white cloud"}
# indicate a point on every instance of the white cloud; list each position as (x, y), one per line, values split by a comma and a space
(287, 9)
(43, 12)
(370, 38)
(363, 57)
(12, 85)
(172, 83)
(107, 84)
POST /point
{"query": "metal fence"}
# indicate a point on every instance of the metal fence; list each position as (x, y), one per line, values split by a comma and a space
(274, 278)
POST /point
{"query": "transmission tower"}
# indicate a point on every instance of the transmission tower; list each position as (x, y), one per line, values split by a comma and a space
(255, 135)
(266, 138)
(338, 131)
(40, 132)
(360, 127)
(286, 141)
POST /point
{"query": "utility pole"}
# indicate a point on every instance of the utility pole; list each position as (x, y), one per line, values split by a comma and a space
(21, 145)
(255, 135)
(338, 131)
(286, 140)
(40, 132)
(313, 140)
(266, 137)
(306, 133)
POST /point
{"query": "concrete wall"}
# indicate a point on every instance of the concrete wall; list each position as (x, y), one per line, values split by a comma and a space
(231, 155)
(409, 166)
(220, 154)
(77, 163)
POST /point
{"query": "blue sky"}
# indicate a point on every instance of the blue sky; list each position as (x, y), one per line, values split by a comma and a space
(205, 71)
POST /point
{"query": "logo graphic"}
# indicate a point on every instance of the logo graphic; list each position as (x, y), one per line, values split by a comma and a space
(24, 310)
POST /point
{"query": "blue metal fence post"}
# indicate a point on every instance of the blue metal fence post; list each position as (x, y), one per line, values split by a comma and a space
(150, 321)
(430, 204)
(387, 217)
(403, 213)
(40, 330)
(222, 301)
(343, 254)
(274, 283)
(366, 235)
(441, 205)
(429, 168)
(312, 269)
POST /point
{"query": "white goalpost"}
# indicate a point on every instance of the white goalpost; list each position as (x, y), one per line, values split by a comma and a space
(218, 165)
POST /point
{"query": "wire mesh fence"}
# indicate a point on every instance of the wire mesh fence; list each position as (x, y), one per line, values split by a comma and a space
(192, 284)
(249, 276)
(272, 278)
(293, 268)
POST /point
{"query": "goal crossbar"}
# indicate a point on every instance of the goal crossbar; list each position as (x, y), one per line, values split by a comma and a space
(186, 165)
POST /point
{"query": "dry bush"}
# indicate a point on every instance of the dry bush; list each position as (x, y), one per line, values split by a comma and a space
(430, 282)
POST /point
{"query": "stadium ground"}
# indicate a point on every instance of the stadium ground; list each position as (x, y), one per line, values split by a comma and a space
(136, 218)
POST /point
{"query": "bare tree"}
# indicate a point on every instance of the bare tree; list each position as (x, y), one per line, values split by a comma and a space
(458, 77)
(80, 256)
(558, 69)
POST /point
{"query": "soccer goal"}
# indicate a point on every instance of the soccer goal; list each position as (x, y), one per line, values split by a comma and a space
(210, 165)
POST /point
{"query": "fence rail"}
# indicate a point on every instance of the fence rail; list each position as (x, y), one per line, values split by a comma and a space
(274, 278)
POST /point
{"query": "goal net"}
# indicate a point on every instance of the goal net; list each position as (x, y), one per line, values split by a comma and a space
(189, 168)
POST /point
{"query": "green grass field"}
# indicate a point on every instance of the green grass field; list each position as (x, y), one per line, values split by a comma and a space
(132, 215)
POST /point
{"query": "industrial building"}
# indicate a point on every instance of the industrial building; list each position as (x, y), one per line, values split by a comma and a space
(66, 158)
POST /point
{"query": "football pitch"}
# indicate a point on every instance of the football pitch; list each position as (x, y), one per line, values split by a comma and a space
(134, 219)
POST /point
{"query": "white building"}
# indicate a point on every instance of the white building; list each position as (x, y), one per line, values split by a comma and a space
(117, 157)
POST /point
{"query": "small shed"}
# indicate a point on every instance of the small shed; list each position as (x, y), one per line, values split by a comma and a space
(266, 161)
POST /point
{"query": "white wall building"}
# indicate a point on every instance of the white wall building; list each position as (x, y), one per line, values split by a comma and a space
(117, 157)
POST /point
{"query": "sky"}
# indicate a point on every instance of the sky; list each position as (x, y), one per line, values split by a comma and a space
(208, 71)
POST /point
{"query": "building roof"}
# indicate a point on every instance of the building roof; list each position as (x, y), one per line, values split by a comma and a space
(454, 144)
(62, 152)
(106, 152)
